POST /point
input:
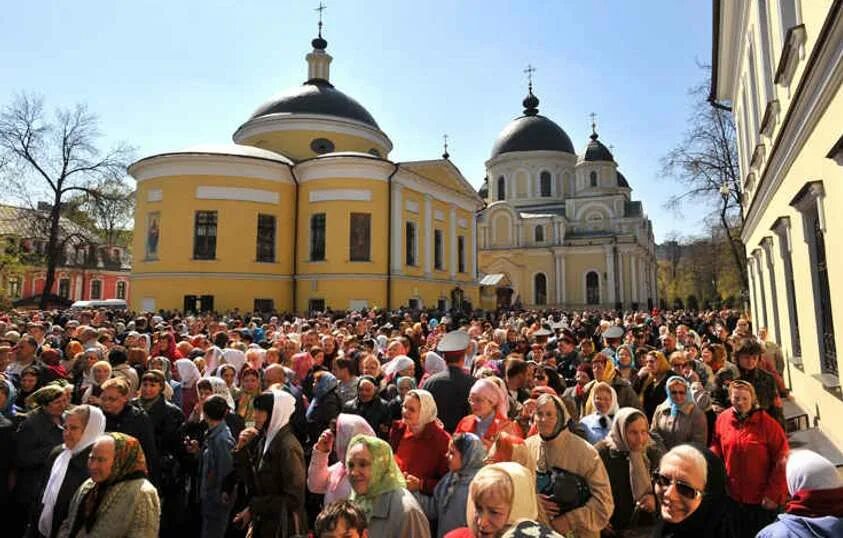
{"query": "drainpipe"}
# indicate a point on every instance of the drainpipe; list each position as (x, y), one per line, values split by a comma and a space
(295, 236)
(389, 238)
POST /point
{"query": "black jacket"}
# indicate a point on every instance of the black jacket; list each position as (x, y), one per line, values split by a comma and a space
(376, 413)
(77, 472)
(617, 468)
(450, 392)
(135, 422)
(167, 420)
(38, 435)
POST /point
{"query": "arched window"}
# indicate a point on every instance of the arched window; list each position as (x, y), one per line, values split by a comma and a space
(539, 233)
(501, 188)
(545, 183)
(593, 177)
(540, 288)
(592, 288)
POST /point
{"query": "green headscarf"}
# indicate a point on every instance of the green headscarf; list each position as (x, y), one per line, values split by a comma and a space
(386, 476)
(44, 396)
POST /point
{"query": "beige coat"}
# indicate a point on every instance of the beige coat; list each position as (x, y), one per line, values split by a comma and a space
(572, 453)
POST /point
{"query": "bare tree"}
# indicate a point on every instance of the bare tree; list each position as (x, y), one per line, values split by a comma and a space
(52, 159)
(706, 163)
(112, 210)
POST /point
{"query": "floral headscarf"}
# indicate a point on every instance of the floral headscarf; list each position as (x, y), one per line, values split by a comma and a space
(220, 388)
(129, 464)
(44, 396)
(385, 477)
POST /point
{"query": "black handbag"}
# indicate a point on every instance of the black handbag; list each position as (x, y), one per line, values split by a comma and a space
(567, 489)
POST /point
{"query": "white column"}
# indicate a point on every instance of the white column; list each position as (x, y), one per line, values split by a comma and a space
(621, 258)
(428, 235)
(633, 276)
(473, 272)
(453, 256)
(561, 279)
(610, 276)
(397, 229)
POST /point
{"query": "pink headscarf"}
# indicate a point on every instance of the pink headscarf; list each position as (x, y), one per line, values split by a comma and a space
(485, 388)
(302, 363)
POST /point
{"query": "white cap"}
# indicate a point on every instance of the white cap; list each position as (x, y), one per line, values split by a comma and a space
(454, 341)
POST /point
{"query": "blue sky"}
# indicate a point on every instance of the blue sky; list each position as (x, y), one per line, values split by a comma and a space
(165, 75)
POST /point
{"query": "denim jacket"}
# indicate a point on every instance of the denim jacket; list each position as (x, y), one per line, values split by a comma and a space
(217, 461)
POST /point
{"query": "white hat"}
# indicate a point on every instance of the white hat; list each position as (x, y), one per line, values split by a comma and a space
(454, 341)
(613, 332)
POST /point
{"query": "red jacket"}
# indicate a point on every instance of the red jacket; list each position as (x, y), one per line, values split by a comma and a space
(754, 454)
(499, 425)
(424, 456)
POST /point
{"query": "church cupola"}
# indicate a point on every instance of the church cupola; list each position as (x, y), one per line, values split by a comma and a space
(319, 61)
(596, 151)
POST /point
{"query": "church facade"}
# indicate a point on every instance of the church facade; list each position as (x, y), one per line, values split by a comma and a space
(561, 229)
(304, 212)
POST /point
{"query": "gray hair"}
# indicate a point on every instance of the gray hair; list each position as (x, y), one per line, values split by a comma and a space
(690, 454)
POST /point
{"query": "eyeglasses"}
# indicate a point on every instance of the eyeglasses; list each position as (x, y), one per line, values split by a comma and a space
(684, 489)
(678, 364)
(678, 392)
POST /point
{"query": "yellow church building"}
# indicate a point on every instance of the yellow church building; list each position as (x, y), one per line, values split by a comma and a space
(561, 229)
(304, 212)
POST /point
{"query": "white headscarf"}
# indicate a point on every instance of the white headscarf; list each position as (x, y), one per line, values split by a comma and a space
(808, 470)
(212, 360)
(188, 372)
(93, 429)
(234, 357)
(282, 409)
(399, 363)
(219, 387)
(428, 410)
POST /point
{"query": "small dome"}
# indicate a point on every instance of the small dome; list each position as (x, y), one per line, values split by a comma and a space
(316, 97)
(596, 151)
(484, 189)
(622, 182)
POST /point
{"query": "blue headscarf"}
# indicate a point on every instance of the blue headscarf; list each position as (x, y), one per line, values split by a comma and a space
(689, 398)
(473, 454)
(8, 410)
(327, 382)
(617, 361)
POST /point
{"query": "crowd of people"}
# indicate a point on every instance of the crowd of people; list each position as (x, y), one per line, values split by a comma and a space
(401, 424)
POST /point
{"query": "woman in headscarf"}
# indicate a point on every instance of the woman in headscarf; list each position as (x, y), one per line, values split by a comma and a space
(325, 405)
(250, 388)
(379, 489)
(420, 443)
(651, 380)
(678, 419)
(333, 481)
(433, 364)
(400, 366)
(117, 500)
(370, 406)
(447, 506)
(501, 499)
(604, 401)
(234, 357)
(271, 461)
(487, 420)
(815, 508)
(52, 365)
(754, 448)
(228, 373)
(555, 446)
(100, 373)
(604, 371)
(624, 362)
(188, 375)
(172, 391)
(690, 488)
(7, 390)
(68, 464)
(630, 458)
(403, 384)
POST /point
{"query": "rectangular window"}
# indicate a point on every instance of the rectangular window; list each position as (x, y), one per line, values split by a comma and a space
(64, 288)
(410, 243)
(438, 250)
(266, 238)
(198, 303)
(264, 305)
(96, 289)
(205, 235)
(316, 305)
(413, 304)
(121, 290)
(360, 237)
(14, 286)
(461, 254)
(317, 237)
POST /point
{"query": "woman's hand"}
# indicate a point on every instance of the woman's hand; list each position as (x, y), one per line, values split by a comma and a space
(647, 503)
(549, 505)
(246, 437)
(413, 482)
(243, 518)
(325, 442)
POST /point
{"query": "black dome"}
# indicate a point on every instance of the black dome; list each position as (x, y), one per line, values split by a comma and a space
(596, 151)
(622, 182)
(317, 97)
(532, 133)
(484, 189)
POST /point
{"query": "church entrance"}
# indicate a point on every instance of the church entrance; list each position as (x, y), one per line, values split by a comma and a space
(592, 288)
(504, 296)
(457, 297)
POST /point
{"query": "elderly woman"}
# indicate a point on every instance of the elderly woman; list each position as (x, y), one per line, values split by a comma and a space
(488, 420)
(447, 506)
(651, 380)
(271, 462)
(690, 488)
(117, 500)
(555, 446)
(502, 500)
(753, 447)
(604, 401)
(379, 489)
(420, 443)
(325, 406)
(624, 361)
(250, 388)
(815, 508)
(403, 384)
(630, 458)
(100, 373)
(678, 419)
(188, 376)
(604, 371)
(172, 391)
(433, 364)
(370, 406)
(333, 481)
(68, 464)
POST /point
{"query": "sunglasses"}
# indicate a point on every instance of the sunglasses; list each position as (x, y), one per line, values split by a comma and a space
(685, 490)
(677, 392)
